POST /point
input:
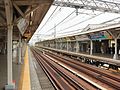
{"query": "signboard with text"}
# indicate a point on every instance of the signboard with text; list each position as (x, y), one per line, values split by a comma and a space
(22, 25)
(100, 36)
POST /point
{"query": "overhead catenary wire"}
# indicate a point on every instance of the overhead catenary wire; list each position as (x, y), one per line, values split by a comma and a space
(66, 32)
(56, 13)
(80, 22)
(48, 19)
(113, 2)
(77, 16)
(69, 19)
(70, 31)
(110, 20)
(61, 21)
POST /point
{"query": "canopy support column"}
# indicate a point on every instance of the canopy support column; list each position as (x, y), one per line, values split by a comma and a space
(20, 51)
(115, 55)
(9, 17)
(91, 47)
(67, 45)
(77, 46)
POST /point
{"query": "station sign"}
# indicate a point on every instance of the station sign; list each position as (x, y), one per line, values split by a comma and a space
(22, 25)
(100, 36)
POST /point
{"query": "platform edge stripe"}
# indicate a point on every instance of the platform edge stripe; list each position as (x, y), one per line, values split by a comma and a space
(25, 84)
(21, 77)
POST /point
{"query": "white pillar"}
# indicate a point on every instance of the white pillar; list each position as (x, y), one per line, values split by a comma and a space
(77, 47)
(19, 59)
(10, 85)
(56, 44)
(9, 55)
(67, 45)
(61, 45)
(115, 55)
(9, 18)
(91, 47)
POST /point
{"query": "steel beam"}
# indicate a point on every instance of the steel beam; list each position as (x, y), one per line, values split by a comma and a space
(18, 9)
(32, 2)
(93, 5)
(9, 17)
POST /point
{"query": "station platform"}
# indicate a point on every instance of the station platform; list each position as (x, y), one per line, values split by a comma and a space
(3, 72)
(27, 76)
(32, 75)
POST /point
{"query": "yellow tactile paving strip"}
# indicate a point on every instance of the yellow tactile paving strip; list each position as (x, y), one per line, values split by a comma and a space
(25, 75)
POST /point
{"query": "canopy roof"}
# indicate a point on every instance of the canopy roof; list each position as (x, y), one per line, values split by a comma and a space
(29, 12)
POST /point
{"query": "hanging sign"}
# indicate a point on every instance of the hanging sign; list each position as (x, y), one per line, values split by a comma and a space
(22, 25)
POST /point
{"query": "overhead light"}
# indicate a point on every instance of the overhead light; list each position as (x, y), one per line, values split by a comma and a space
(30, 23)
(31, 14)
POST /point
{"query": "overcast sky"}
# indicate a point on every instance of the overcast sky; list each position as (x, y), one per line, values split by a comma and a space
(72, 24)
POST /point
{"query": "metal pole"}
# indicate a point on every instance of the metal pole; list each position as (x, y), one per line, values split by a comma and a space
(9, 55)
(19, 60)
(115, 55)
(9, 18)
(91, 47)
(77, 46)
(67, 45)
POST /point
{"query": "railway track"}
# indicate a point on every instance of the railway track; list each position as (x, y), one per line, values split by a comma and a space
(101, 75)
(61, 78)
(66, 69)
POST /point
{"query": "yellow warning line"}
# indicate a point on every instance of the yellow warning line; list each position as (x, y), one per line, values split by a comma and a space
(25, 75)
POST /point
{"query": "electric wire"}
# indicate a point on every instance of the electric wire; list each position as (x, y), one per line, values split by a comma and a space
(48, 19)
(70, 31)
(61, 21)
(80, 22)
(76, 16)
(110, 20)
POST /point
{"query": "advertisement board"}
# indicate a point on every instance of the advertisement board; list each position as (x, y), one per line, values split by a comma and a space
(100, 36)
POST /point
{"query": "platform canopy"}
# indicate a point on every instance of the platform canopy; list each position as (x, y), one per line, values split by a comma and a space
(26, 17)
(70, 17)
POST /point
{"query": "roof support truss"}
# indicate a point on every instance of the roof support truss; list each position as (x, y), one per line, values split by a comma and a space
(94, 5)
(28, 12)
(32, 2)
(18, 9)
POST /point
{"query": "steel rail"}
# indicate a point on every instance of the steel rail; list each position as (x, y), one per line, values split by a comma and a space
(90, 67)
(105, 78)
(60, 83)
(73, 82)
